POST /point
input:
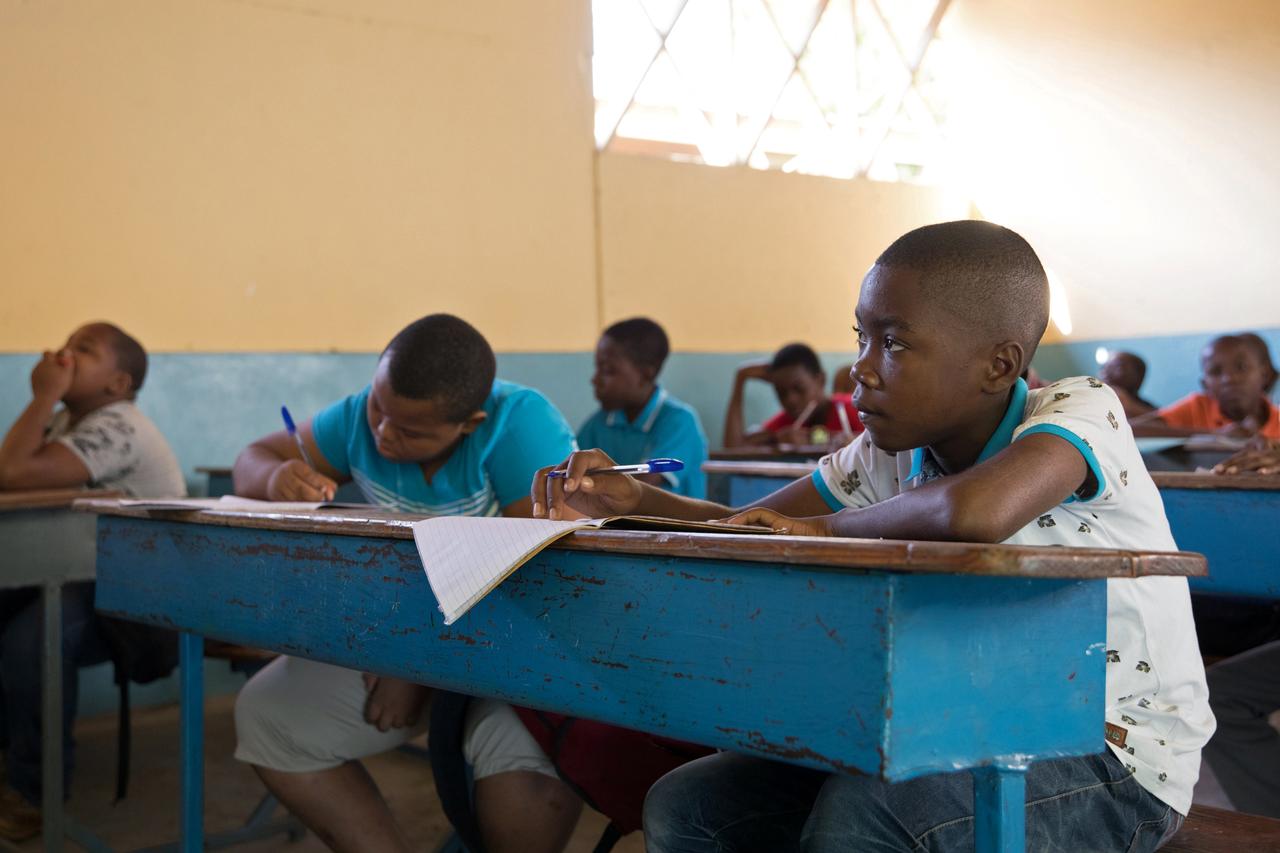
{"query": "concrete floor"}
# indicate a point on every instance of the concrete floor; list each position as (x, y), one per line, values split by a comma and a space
(149, 815)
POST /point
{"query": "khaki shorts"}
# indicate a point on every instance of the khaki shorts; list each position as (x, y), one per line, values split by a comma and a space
(300, 716)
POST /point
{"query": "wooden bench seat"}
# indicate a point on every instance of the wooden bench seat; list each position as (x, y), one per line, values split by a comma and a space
(1209, 830)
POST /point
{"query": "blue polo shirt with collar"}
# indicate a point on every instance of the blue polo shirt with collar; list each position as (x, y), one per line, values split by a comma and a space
(664, 427)
(489, 469)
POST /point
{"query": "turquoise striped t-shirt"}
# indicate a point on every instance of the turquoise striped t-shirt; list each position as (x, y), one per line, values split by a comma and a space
(489, 469)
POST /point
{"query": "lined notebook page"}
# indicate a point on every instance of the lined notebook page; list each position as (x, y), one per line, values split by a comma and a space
(466, 557)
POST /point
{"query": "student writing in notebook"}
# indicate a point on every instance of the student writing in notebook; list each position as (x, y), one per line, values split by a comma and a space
(638, 419)
(958, 448)
(97, 437)
(436, 433)
(807, 413)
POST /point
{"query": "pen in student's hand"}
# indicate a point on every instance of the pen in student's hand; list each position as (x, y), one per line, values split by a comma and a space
(804, 415)
(653, 466)
(297, 439)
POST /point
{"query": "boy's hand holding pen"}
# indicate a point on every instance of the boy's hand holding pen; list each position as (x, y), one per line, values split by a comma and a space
(297, 479)
(587, 485)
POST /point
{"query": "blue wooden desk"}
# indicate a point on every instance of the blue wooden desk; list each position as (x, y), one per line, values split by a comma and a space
(1234, 520)
(857, 656)
(739, 482)
(46, 545)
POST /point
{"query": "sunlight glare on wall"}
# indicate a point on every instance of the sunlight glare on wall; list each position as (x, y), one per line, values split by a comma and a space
(824, 87)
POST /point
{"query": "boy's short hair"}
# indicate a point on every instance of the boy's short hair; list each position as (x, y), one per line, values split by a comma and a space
(1259, 345)
(130, 356)
(797, 355)
(1138, 364)
(642, 340)
(986, 275)
(442, 357)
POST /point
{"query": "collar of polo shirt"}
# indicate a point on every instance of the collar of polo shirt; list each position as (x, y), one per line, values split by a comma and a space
(644, 421)
(1000, 439)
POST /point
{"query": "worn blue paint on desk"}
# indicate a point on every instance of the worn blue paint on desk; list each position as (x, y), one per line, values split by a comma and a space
(1237, 529)
(894, 674)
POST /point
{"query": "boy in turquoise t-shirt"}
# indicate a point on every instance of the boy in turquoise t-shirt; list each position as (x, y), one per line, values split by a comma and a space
(638, 420)
(433, 433)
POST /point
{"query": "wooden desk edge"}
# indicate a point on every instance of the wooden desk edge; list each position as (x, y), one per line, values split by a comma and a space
(1224, 482)
(49, 498)
(836, 554)
(218, 470)
(764, 452)
(745, 468)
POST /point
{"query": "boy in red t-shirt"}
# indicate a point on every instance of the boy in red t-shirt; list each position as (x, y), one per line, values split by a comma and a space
(808, 415)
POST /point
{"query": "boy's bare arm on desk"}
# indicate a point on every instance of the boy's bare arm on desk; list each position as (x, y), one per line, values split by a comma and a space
(988, 502)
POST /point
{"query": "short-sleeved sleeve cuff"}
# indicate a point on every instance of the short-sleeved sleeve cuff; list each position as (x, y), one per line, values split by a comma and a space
(88, 462)
(333, 427)
(843, 477)
(533, 435)
(1090, 458)
(820, 483)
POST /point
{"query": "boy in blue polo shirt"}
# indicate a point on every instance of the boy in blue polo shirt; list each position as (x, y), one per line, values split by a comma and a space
(433, 433)
(957, 447)
(638, 420)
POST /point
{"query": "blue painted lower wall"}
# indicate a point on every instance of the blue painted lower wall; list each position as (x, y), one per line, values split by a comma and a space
(211, 405)
(1173, 361)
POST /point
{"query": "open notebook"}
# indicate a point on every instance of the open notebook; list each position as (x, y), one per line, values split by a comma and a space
(467, 557)
(232, 502)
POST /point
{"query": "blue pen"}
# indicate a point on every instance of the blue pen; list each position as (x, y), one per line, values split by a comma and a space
(653, 466)
(297, 439)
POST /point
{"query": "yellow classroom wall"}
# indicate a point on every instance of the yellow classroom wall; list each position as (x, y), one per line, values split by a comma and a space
(296, 174)
(1134, 143)
(303, 175)
(740, 259)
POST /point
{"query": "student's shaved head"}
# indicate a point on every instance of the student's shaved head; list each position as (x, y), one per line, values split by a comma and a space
(442, 357)
(985, 276)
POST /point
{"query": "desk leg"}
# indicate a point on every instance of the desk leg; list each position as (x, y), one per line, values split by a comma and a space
(191, 661)
(51, 718)
(999, 804)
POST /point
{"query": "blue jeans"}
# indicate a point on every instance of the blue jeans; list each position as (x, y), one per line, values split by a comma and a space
(730, 803)
(21, 674)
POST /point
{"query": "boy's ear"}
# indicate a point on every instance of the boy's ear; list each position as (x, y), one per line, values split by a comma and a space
(473, 420)
(120, 384)
(1006, 365)
(649, 372)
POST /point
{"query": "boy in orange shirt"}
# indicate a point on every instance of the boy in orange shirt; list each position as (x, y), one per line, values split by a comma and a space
(1234, 376)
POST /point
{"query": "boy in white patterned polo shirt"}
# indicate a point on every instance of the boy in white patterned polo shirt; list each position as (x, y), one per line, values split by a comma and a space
(957, 448)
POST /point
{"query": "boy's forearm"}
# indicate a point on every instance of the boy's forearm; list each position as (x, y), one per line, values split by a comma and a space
(25, 437)
(1151, 425)
(986, 503)
(252, 471)
(917, 514)
(733, 427)
(660, 502)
